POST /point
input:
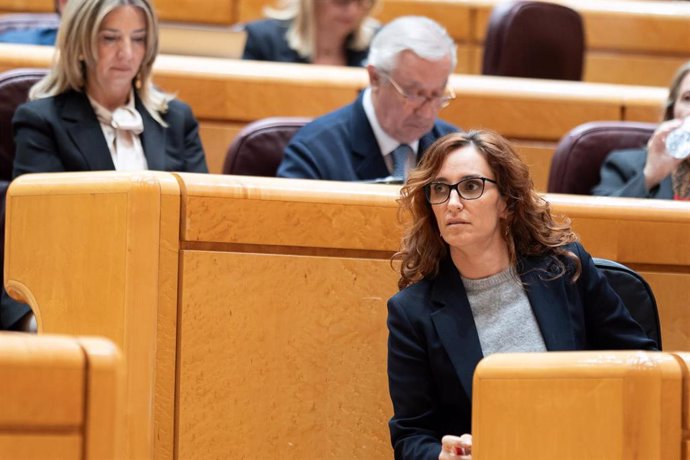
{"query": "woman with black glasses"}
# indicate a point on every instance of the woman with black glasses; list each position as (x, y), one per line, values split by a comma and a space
(485, 268)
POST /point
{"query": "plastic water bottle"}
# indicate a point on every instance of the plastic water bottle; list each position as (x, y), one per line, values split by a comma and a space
(678, 141)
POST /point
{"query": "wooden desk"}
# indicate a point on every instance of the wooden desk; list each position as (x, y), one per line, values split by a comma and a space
(568, 406)
(227, 94)
(240, 299)
(60, 397)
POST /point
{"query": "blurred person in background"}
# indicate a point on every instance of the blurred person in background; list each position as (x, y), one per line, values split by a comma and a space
(29, 33)
(332, 32)
(651, 172)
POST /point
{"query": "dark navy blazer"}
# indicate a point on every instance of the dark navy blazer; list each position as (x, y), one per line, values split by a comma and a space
(433, 345)
(341, 146)
(621, 175)
(62, 133)
(266, 41)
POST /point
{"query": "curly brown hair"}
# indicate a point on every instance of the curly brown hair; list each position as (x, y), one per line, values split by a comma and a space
(529, 228)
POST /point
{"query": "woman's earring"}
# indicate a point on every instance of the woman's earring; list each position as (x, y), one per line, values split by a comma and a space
(137, 82)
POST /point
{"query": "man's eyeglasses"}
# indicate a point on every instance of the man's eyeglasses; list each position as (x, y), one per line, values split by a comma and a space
(346, 3)
(468, 189)
(438, 102)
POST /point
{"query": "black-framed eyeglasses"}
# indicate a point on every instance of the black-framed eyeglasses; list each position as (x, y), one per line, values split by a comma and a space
(438, 102)
(468, 189)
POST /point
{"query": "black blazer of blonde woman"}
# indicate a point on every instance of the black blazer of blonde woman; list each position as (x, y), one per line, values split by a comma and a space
(62, 133)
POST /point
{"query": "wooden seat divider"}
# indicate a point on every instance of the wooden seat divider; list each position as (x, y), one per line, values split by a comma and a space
(245, 305)
(613, 405)
(60, 397)
(228, 94)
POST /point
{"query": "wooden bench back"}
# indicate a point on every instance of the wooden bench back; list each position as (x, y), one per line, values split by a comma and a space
(540, 406)
(630, 42)
(535, 114)
(60, 397)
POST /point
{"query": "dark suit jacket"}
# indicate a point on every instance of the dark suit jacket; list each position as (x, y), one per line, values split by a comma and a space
(62, 133)
(621, 175)
(266, 42)
(433, 345)
(341, 146)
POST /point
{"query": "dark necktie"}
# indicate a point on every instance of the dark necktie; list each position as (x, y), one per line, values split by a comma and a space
(400, 156)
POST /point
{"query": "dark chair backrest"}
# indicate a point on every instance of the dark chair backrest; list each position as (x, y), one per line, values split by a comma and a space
(576, 164)
(636, 295)
(14, 91)
(258, 149)
(533, 39)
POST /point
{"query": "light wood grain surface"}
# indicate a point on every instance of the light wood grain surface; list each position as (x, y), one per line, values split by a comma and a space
(246, 298)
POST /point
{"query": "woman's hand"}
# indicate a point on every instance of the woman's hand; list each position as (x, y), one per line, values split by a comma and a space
(456, 447)
(659, 163)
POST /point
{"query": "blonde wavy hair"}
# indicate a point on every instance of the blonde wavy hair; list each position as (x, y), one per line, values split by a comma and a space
(528, 228)
(301, 34)
(77, 49)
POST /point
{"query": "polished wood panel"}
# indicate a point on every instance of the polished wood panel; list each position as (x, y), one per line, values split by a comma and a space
(54, 370)
(538, 157)
(684, 361)
(28, 446)
(127, 216)
(201, 11)
(208, 275)
(311, 359)
(20, 6)
(612, 405)
(60, 397)
(633, 70)
(216, 137)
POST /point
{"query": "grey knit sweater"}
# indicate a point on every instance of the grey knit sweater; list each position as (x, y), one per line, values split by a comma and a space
(503, 315)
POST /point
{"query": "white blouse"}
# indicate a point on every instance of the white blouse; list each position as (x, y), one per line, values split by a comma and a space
(122, 129)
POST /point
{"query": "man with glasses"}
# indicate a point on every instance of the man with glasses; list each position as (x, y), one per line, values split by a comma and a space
(386, 130)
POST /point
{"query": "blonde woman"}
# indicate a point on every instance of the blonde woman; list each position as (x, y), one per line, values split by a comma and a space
(330, 32)
(98, 109)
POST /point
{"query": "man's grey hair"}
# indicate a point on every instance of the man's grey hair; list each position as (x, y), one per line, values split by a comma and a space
(423, 36)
